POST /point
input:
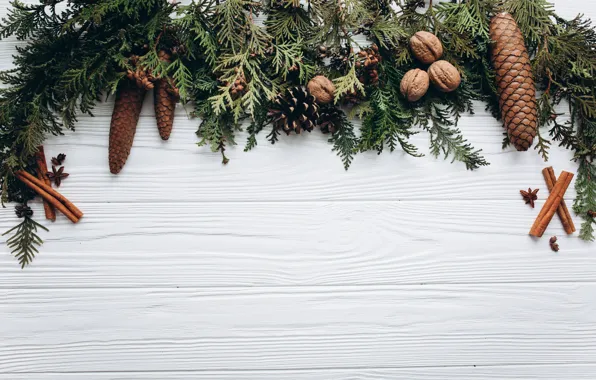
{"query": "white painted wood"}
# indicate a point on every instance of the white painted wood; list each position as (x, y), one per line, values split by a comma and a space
(301, 243)
(281, 265)
(470, 372)
(296, 327)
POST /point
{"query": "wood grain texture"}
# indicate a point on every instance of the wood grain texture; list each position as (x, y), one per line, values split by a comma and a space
(470, 372)
(296, 327)
(299, 243)
(281, 265)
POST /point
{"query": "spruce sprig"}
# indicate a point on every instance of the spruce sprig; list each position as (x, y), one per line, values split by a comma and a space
(24, 241)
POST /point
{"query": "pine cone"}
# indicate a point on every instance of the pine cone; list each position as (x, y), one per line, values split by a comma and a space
(164, 100)
(296, 111)
(127, 109)
(330, 119)
(515, 86)
(367, 65)
(352, 98)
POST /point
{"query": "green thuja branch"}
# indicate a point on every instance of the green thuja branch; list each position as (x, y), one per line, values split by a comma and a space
(344, 141)
(447, 140)
(388, 124)
(24, 240)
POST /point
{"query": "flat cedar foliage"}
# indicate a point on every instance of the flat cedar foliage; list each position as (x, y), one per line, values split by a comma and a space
(78, 52)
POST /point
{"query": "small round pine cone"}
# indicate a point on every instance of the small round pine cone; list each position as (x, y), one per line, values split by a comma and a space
(414, 84)
(322, 89)
(426, 47)
(444, 76)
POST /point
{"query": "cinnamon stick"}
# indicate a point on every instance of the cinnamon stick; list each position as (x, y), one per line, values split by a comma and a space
(42, 169)
(52, 193)
(551, 205)
(550, 178)
(59, 206)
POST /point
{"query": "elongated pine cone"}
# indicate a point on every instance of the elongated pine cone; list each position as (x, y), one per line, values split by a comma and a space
(127, 109)
(164, 101)
(515, 85)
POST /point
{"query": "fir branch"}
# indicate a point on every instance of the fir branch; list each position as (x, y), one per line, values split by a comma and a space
(344, 141)
(349, 82)
(389, 124)
(534, 18)
(446, 139)
(217, 131)
(257, 124)
(288, 58)
(24, 241)
(585, 185)
(542, 146)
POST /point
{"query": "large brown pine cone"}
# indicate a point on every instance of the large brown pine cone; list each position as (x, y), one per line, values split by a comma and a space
(164, 101)
(127, 109)
(515, 86)
(296, 111)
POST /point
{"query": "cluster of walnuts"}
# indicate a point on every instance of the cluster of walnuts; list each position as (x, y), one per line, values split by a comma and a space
(427, 48)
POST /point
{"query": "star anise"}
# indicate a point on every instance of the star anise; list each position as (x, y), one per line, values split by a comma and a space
(57, 161)
(57, 175)
(529, 196)
(23, 211)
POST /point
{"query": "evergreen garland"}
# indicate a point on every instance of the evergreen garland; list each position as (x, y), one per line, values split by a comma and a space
(232, 68)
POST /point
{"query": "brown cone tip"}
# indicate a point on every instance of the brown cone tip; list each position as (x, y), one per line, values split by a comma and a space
(515, 85)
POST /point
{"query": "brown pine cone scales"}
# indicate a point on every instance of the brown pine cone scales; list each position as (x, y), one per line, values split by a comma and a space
(515, 85)
(127, 109)
(164, 100)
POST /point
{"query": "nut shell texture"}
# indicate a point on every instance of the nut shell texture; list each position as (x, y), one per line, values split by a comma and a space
(414, 84)
(426, 47)
(515, 85)
(322, 89)
(444, 76)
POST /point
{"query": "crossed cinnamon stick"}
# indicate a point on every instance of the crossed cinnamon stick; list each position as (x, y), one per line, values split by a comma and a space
(57, 200)
(42, 169)
(554, 203)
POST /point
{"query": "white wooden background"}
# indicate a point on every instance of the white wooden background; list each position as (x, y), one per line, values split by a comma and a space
(281, 265)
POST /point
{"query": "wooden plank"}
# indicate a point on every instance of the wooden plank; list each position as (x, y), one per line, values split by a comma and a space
(471, 372)
(297, 243)
(293, 170)
(64, 330)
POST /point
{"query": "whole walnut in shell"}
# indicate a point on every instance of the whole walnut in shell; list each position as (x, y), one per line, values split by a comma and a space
(444, 76)
(322, 89)
(414, 84)
(426, 47)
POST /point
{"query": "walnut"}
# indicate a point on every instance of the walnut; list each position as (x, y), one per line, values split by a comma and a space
(414, 84)
(426, 47)
(322, 89)
(444, 76)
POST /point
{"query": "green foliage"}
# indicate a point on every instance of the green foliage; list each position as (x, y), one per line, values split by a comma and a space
(389, 124)
(348, 83)
(344, 141)
(24, 241)
(586, 197)
(231, 68)
(447, 140)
